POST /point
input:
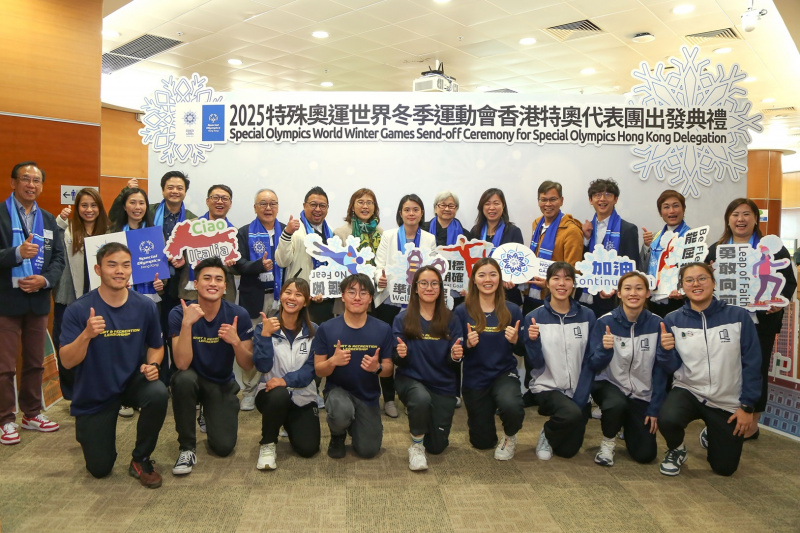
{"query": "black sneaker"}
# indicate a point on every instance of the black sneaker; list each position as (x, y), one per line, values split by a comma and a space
(143, 471)
(671, 466)
(336, 449)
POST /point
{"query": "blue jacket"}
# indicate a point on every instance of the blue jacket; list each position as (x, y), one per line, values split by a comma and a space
(558, 355)
(631, 364)
(276, 357)
(716, 356)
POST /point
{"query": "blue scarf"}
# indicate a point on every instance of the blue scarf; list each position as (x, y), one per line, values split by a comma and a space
(545, 251)
(158, 219)
(611, 240)
(141, 288)
(498, 234)
(190, 285)
(753, 240)
(259, 242)
(655, 246)
(453, 230)
(401, 238)
(326, 231)
(29, 267)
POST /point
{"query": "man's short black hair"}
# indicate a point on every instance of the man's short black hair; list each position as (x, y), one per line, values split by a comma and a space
(604, 185)
(357, 279)
(18, 166)
(215, 262)
(547, 185)
(220, 186)
(175, 174)
(111, 248)
(316, 190)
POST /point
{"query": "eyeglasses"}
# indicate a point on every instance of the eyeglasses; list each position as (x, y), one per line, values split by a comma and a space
(27, 181)
(264, 205)
(352, 293)
(552, 200)
(424, 284)
(449, 207)
(601, 195)
(220, 198)
(699, 280)
(314, 206)
(365, 203)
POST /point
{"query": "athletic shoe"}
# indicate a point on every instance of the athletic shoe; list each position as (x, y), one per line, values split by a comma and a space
(390, 409)
(671, 466)
(266, 457)
(505, 450)
(320, 402)
(605, 457)
(704, 438)
(145, 473)
(248, 403)
(621, 435)
(125, 411)
(458, 401)
(543, 449)
(9, 434)
(283, 432)
(201, 421)
(39, 423)
(597, 413)
(754, 436)
(336, 449)
(416, 457)
(186, 460)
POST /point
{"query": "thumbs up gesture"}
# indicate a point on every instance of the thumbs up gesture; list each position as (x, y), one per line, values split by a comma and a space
(533, 330)
(269, 325)
(340, 357)
(65, 213)
(191, 313)
(95, 325)
(382, 281)
(267, 262)
(229, 332)
(667, 338)
(647, 236)
(587, 229)
(158, 284)
(292, 226)
(402, 349)
(512, 333)
(457, 351)
(27, 249)
(608, 339)
(371, 363)
(472, 336)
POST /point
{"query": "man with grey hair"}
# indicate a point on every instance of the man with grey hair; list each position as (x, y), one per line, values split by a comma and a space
(260, 284)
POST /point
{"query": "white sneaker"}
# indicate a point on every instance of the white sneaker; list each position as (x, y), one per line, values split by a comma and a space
(125, 411)
(201, 421)
(320, 402)
(543, 449)
(183, 465)
(390, 409)
(505, 449)
(605, 457)
(458, 401)
(283, 432)
(248, 403)
(416, 457)
(9, 433)
(266, 457)
(597, 413)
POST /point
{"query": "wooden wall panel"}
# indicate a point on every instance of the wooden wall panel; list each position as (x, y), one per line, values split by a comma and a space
(68, 153)
(50, 54)
(791, 190)
(121, 150)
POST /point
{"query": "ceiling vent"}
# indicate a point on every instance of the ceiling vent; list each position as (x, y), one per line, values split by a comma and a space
(574, 30)
(725, 34)
(136, 50)
(779, 110)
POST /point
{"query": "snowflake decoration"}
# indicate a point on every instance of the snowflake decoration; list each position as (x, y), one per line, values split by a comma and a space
(190, 117)
(514, 263)
(693, 84)
(159, 118)
(517, 262)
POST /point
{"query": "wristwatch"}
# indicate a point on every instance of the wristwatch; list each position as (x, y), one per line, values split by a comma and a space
(158, 367)
(749, 409)
(380, 369)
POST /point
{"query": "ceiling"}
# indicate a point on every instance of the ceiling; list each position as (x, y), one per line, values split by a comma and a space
(383, 45)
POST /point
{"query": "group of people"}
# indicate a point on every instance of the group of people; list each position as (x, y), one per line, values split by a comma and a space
(649, 365)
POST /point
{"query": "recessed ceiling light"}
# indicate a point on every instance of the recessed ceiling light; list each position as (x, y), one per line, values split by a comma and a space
(234, 61)
(527, 41)
(750, 79)
(326, 84)
(767, 100)
(645, 37)
(723, 50)
(683, 9)
(482, 88)
(110, 34)
(588, 71)
(320, 34)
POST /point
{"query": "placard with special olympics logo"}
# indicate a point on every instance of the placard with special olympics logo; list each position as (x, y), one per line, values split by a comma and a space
(213, 123)
(147, 254)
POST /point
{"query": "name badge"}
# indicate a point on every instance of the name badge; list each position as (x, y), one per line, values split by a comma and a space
(48, 234)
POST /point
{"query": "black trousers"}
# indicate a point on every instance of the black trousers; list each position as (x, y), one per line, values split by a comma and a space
(167, 303)
(66, 376)
(429, 413)
(386, 313)
(502, 396)
(302, 423)
(97, 433)
(567, 424)
(682, 407)
(321, 311)
(220, 408)
(620, 411)
(766, 340)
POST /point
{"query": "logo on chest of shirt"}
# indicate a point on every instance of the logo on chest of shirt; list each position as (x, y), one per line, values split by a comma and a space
(724, 336)
(685, 334)
(644, 345)
(304, 348)
(577, 332)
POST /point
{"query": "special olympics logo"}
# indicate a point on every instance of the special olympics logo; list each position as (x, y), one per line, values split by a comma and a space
(259, 248)
(189, 118)
(146, 247)
(213, 118)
